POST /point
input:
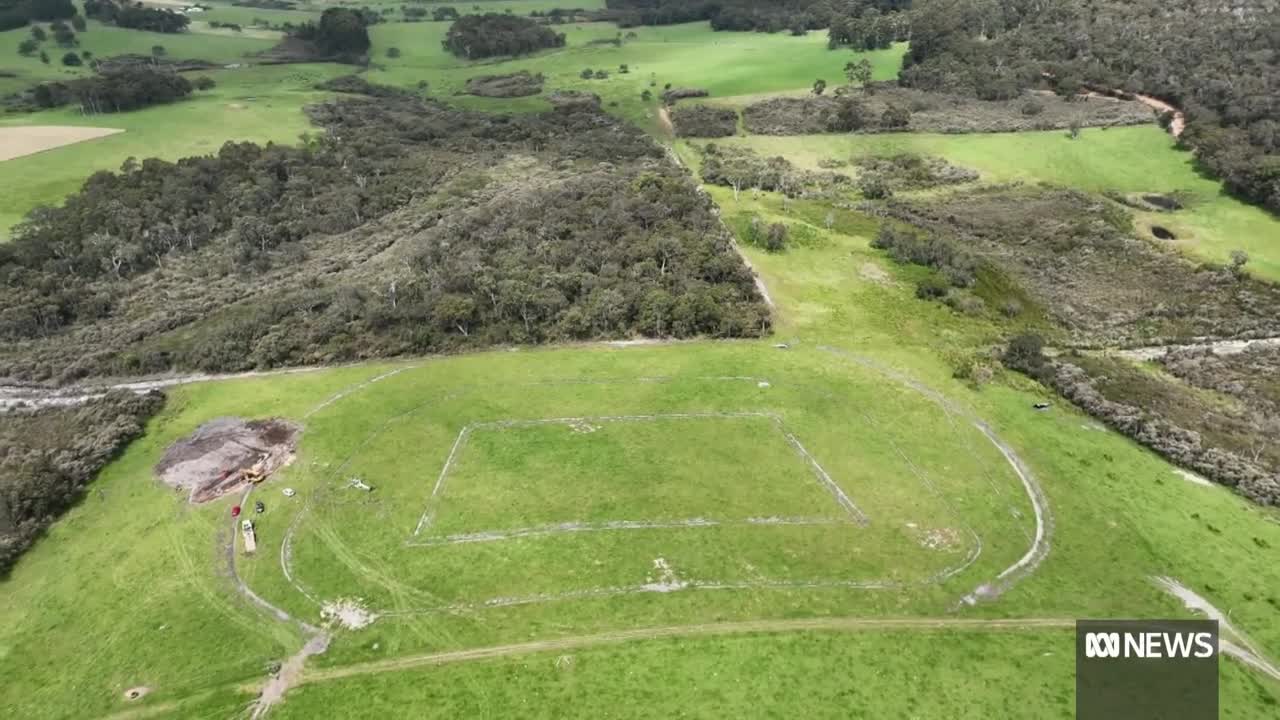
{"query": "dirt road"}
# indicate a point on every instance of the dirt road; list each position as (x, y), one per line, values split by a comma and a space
(1179, 122)
(664, 119)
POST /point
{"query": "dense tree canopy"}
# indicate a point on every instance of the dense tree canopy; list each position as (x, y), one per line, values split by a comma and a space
(136, 16)
(1220, 62)
(120, 89)
(481, 36)
(401, 230)
(47, 457)
(17, 13)
(342, 32)
(797, 16)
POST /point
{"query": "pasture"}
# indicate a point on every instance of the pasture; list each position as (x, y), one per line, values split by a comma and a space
(838, 527)
(1121, 160)
(259, 104)
(29, 140)
(570, 550)
(724, 64)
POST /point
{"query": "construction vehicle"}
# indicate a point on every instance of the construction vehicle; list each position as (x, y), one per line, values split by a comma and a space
(250, 538)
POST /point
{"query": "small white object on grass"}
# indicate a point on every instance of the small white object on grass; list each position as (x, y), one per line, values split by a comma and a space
(288, 492)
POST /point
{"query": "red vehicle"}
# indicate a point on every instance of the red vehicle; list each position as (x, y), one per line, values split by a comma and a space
(235, 511)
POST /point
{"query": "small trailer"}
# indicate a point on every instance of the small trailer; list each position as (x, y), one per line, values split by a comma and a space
(250, 538)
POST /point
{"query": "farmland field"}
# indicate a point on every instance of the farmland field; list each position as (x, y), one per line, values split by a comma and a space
(261, 104)
(840, 519)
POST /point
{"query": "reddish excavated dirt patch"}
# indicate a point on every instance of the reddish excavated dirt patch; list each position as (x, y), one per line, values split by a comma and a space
(226, 454)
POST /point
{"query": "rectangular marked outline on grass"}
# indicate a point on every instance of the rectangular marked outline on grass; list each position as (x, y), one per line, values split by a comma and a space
(856, 516)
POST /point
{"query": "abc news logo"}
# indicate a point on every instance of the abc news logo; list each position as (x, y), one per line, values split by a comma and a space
(1153, 645)
(1146, 669)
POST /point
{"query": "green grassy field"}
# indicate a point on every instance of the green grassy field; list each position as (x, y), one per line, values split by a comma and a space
(725, 64)
(1136, 159)
(259, 104)
(1120, 515)
(572, 496)
(106, 41)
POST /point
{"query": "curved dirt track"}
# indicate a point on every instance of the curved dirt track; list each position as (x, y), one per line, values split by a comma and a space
(1039, 549)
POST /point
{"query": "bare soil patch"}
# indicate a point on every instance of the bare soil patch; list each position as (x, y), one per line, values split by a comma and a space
(19, 141)
(226, 454)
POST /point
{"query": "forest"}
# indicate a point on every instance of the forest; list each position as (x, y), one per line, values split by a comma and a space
(118, 89)
(48, 456)
(795, 16)
(136, 16)
(398, 230)
(18, 13)
(1219, 62)
(481, 36)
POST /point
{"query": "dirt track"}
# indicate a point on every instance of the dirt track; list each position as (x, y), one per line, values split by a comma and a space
(1179, 122)
(844, 624)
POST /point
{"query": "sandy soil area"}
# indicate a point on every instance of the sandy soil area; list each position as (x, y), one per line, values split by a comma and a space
(18, 141)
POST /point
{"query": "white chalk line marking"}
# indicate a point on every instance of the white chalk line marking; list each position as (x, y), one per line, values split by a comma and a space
(586, 527)
(428, 516)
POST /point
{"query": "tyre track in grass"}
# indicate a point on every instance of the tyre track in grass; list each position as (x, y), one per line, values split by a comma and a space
(748, 627)
(1039, 548)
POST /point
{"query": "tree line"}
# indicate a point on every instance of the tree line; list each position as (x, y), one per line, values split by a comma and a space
(491, 34)
(136, 16)
(796, 16)
(120, 89)
(19, 13)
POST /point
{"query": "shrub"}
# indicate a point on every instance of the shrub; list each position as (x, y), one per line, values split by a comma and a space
(204, 82)
(1025, 353)
(932, 288)
(28, 47)
(393, 52)
(874, 186)
(776, 238)
(72, 60)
